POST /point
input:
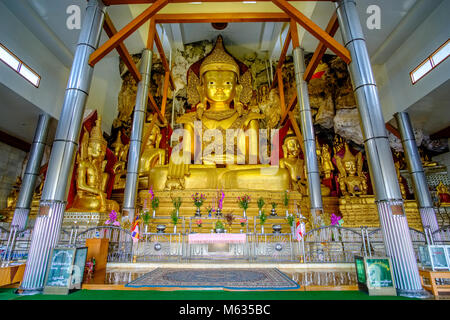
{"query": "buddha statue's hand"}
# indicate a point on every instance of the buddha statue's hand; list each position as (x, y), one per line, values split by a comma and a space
(200, 110)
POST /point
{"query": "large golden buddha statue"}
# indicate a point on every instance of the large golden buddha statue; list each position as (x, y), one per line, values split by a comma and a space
(212, 155)
(351, 178)
(91, 178)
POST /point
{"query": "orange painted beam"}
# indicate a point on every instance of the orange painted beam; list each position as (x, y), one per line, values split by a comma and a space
(314, 29)
(297, 131)
(165, 92)
(331, 29)
(287, 41)
(281, 90)
(110, 30)
(294, 34)
(393, 130)
(222, 17)
(155, 108)
(126, 31)
(291, 106)
(164, 59)
(151, 34)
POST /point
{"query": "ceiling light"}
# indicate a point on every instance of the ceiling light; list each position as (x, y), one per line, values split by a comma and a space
(248, 1)
(195, 3)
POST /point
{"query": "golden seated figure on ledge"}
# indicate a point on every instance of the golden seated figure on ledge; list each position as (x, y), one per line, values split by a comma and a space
(91, 178)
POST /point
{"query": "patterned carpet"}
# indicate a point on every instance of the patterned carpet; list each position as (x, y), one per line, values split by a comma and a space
(233, 279)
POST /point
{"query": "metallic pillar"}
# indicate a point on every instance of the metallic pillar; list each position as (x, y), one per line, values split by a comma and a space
(309, 141)
(415, 168)
(31, 173)
(54, 195)
(389, 201)
(130, 192)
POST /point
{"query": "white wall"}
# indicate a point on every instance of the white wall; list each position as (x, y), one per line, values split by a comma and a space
(17, 38)
(396, 90)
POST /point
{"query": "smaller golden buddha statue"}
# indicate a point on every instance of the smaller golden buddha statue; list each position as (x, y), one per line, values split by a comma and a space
(11, 200)
(325, 161)
(293, 163)
(91, 178)
(426, 162)
(351, 179)
(121, 153)
(400, 179)
(151, 154)
(443, 194)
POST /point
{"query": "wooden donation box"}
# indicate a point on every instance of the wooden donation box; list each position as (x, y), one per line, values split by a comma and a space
(11, 274)
(98, 249)
(375, 276)
(65, 270)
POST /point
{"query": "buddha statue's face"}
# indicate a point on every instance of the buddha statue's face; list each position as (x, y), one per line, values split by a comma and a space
(293, 148)
(220, 86)
(350, 167)
(154, 135)
(96, 150)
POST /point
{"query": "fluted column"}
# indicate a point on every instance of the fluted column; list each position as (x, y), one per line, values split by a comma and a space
(25, 197)
(134, 153)
(309, 141)
(394, 225)
(54, 195)
(420, 186)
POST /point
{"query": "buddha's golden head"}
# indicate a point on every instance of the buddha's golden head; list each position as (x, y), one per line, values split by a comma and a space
(219, 75)
(291, 146)
(155, 137)
(349, 161)
(97, 144)
(219, 79)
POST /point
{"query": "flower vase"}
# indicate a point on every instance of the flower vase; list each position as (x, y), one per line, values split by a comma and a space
(287, 213)
(259, 212)
(293, 231)
(154, 213)
(245, 214)
(178, 213)
(273, 212)
(198, 213)
(175, 228)
(146, 228)
(262, 229)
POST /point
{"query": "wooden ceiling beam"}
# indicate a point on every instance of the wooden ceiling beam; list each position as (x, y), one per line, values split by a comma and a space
(393, 130)
(331, 29)
(287, 41)
(314, 29)
(222, 17)
(291, 106)
(155, 108)
(110, 30)
(14, 142)
(126, 31)
(164, 60)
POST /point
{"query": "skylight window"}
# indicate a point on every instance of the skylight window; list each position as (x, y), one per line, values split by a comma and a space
(431, 62)
(17, 65)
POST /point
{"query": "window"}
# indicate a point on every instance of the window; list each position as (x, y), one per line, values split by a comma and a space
(17, 65)
(431, 62)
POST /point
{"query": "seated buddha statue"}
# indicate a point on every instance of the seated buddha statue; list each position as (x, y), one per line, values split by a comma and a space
(119, 168)
(91, 178)
(293, 162)
(443, 194)
(151, 154)
(219, 87)
(351, 179)
(11, 200)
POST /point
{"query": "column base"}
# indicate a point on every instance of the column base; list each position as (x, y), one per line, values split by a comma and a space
(28, 292)
(418, 294)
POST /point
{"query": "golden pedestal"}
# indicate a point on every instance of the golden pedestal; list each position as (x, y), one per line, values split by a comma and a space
(362, 211)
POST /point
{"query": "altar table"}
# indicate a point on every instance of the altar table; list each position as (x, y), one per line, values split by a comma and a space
(199, 238)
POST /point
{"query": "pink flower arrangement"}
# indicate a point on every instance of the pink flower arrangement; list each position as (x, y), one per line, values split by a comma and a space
(222, 196)
(243, 221)
(152, 193)
(198, 199)
(336, 220)
(198, 222)
(112, 219)
(244, 201)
